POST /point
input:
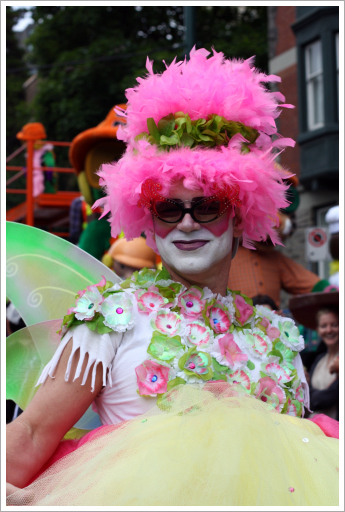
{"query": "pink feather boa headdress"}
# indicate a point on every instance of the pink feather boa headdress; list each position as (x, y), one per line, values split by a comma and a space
(200, 87)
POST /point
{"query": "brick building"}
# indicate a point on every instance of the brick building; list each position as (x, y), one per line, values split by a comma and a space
(303, 51)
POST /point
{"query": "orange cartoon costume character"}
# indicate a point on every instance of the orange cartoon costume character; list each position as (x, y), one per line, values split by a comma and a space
(89, 150)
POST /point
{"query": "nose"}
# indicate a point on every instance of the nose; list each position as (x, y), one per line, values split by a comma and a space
(187, 224)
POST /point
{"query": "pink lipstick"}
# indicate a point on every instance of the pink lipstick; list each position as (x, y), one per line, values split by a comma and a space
(190, 245)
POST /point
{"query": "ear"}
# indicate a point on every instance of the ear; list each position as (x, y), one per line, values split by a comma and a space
(237, 223)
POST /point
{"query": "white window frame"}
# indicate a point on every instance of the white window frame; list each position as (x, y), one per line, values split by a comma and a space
(311, 78)
(337, 64)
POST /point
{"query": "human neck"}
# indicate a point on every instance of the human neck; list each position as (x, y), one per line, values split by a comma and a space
(215, 278)
(333, 350)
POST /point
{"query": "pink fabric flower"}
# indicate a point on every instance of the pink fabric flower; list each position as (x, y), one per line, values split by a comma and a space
(292, 409)
(257, 342)
(243, 310)
(273, 333)
(199, 335)
(268, 390)
(150, 300)
(191, 303)
(264, 322)
(282, 374)
(231, 351)
(220, 320)
(299, 394)
(167, 323)
(240, 377)
(152, 378)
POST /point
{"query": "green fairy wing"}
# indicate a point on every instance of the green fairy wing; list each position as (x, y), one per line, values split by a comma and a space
(43, 275)
(45, 272)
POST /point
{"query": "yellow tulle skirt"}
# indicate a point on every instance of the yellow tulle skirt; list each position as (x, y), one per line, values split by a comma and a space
(199, 448)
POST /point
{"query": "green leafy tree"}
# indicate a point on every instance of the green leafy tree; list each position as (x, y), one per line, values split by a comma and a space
(16, 114)
(239, 32)
(87, 56)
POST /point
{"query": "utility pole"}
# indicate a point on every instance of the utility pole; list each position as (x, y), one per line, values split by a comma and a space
(189, 23)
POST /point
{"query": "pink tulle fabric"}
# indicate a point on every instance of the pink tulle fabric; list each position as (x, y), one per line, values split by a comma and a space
(328, 425)
(200, 87)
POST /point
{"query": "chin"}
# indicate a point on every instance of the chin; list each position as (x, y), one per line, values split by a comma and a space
(190, 269)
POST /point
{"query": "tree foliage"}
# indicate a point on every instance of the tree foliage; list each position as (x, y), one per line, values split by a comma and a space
(87, 56)
(15, 98)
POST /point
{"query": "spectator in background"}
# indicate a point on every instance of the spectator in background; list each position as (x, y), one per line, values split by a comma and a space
(324, 372)
(126, 257)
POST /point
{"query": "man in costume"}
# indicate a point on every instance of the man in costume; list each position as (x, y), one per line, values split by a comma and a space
(200, 394)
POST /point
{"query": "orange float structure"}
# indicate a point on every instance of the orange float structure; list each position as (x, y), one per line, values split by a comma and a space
(50, 208)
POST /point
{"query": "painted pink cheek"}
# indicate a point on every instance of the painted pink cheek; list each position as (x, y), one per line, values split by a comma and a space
(162, 229)
(219, 226)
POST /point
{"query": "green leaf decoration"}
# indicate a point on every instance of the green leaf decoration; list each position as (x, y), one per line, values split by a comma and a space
(68, 320)
(153, 130)
(101, 328)
(186, 140)
(175, 382)
(126, 283)
(179, 130)
(250, 365)
(219, 367)
(173, 140)
(92, 324)
(218, 376)
(167, 292)
(107, 294)
(107, 285)
(285, 408)
(276, 353)
(163, 274)
(166, 125)
(164, 348)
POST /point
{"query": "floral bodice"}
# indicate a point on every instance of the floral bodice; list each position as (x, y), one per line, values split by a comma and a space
(198, 337)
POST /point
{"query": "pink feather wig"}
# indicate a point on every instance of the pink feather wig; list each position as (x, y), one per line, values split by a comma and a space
(200, 87)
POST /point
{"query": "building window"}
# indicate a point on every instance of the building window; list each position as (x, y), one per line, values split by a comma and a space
(314, 85)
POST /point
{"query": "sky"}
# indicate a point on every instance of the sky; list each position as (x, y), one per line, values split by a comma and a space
(24, 22)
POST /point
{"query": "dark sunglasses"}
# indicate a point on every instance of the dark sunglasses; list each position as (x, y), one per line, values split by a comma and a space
(202, 211)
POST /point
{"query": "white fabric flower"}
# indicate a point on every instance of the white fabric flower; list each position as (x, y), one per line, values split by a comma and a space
(88, 304)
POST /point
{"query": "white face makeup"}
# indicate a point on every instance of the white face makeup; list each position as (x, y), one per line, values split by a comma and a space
(189, 247)
(194, 252)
